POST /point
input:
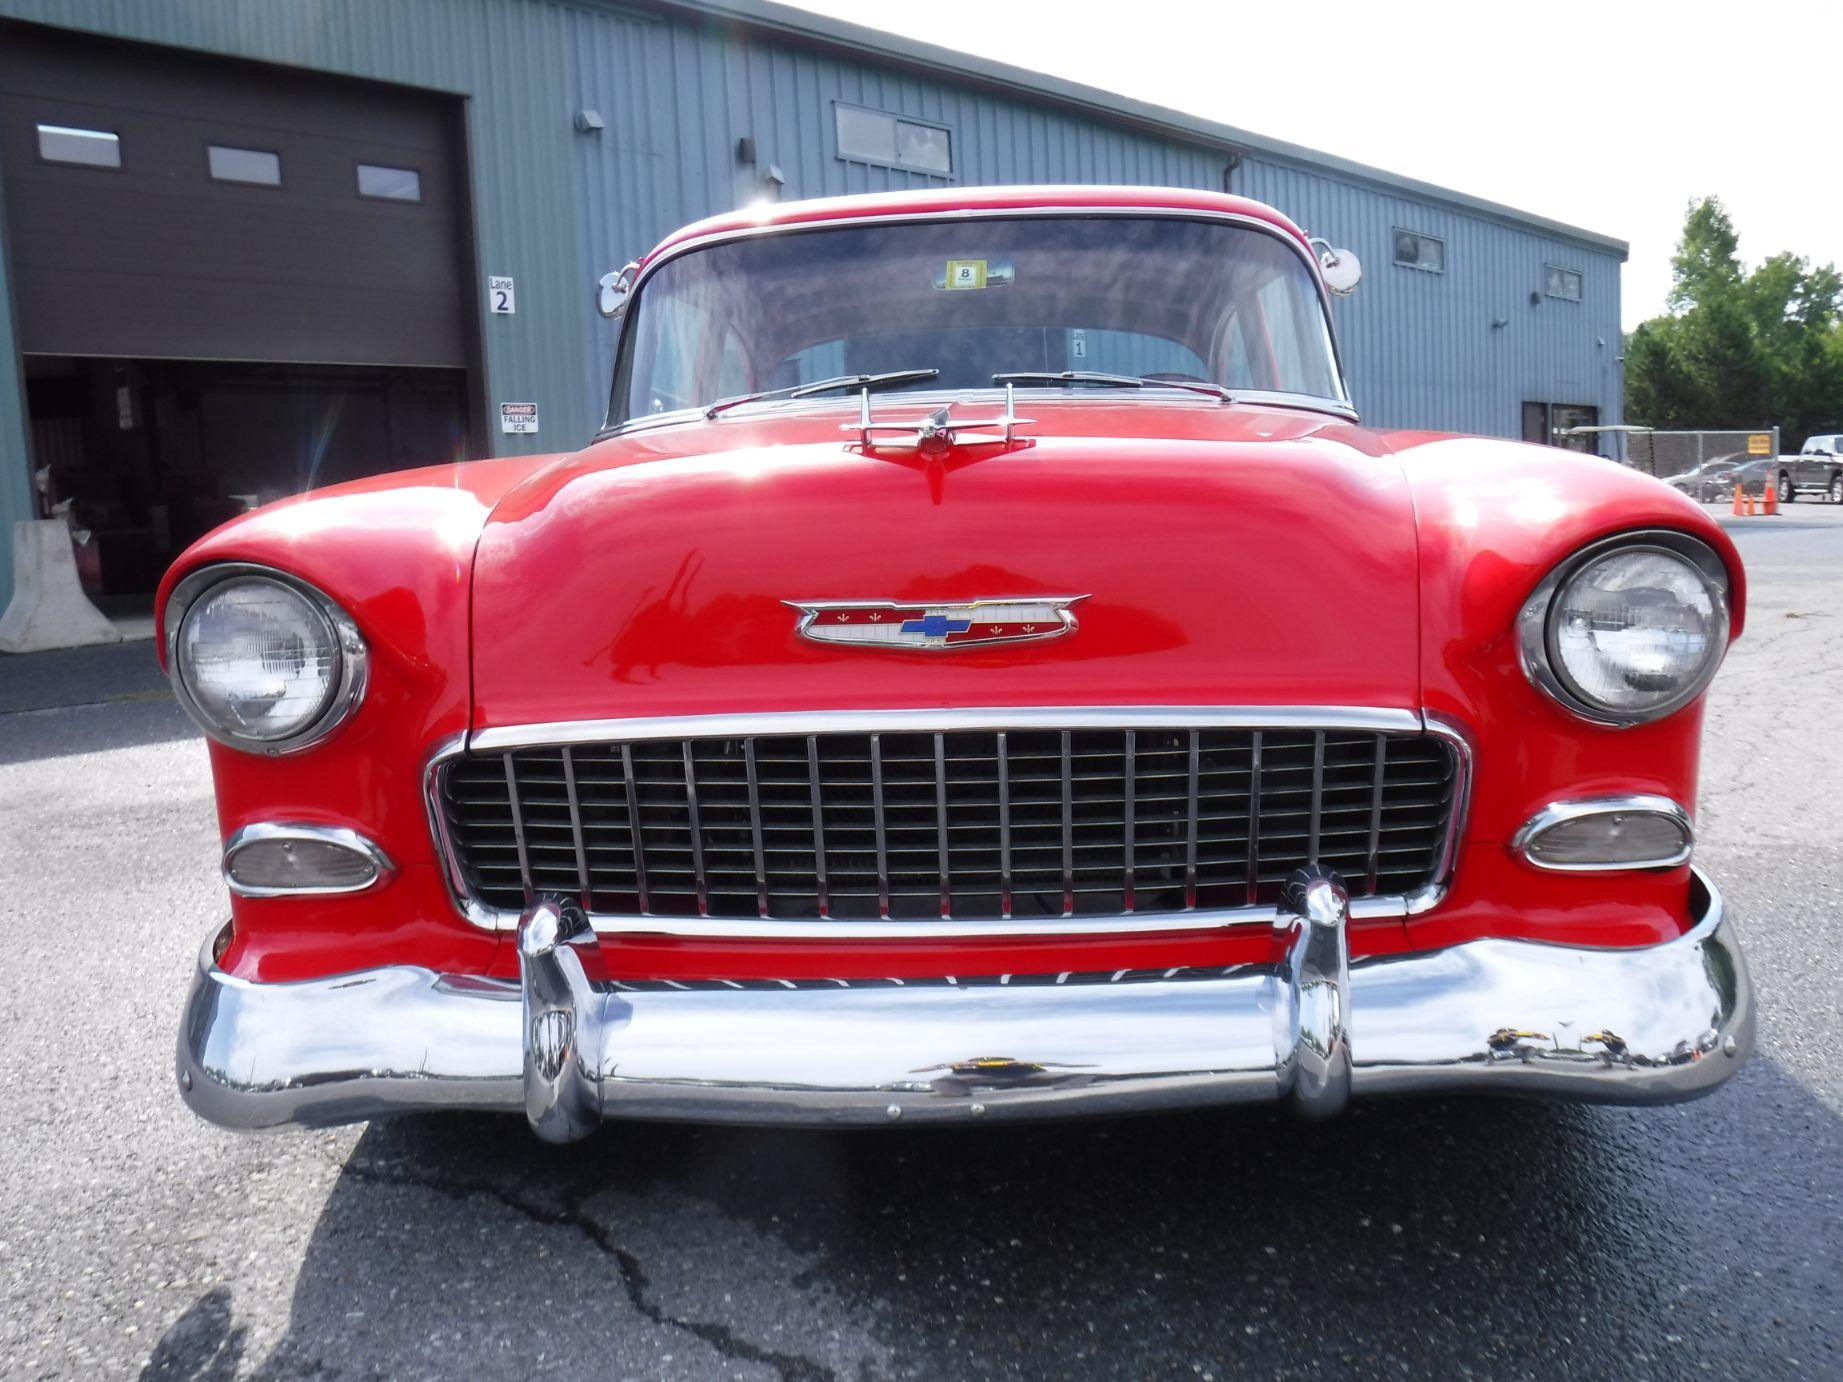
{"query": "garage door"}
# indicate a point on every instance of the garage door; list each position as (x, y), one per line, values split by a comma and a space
(166, 205)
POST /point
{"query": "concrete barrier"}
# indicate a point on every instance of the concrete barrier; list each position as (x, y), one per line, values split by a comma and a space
(49, 608)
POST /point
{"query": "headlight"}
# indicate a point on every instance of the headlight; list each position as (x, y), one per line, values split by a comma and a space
(1629, 629)
(261, 661)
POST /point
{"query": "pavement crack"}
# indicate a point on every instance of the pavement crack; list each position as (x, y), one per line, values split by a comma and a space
(791, 1367)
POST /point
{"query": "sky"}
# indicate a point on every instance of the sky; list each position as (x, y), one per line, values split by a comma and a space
(1610, 115)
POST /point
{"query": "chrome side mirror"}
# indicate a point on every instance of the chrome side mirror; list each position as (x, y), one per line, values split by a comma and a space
(611, 290)
(1341, 269)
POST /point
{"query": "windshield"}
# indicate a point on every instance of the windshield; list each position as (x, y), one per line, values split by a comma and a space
(1160, 297)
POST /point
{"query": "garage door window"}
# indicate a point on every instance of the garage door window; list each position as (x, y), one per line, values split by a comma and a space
(257, 166)
(86, 148)
(389, 184)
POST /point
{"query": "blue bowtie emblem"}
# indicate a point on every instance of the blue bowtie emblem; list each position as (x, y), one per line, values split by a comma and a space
(936, 625)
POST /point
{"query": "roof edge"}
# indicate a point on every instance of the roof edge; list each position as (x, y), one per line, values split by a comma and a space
(768, 17)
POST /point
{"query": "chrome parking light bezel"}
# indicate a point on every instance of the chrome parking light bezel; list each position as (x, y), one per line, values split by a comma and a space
(382, 870)
(350, 648)
(1637, 804)
(1535, 625)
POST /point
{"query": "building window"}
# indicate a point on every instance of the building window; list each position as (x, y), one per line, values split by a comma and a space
(227, 163)
(1543, 422)
(1562, 283)
(876, 136)
(87, 148)
(1416, 251)
(390, 184)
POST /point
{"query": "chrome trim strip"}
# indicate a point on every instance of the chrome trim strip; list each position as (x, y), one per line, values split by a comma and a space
(941, 835)
(1003, 768)
(382, 870)
(1254, 819)
(350, 647)
(582, 854)
(821, 881)
(1559, 812)
(939, 721)
(1129, 901)
(1372, 871)
(1191, 825)
(633, 825)
(553, 734)
(1535, 636)
(879, 825)
(1340, 406)
(700, 879)
(755, 827)
(1652, 1025)
(518, 820)
(1068, 823)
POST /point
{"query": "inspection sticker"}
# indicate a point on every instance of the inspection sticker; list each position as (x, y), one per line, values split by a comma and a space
(966, 273)
(518, 417)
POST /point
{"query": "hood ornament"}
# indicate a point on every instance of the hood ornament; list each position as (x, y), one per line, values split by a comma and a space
(936, 627)
(939, 430)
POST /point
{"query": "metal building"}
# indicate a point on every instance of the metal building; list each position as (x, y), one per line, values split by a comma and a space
(251, 245)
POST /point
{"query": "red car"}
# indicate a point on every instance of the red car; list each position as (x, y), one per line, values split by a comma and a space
(982, 669)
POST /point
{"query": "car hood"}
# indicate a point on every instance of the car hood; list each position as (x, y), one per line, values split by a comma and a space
(1226, 556)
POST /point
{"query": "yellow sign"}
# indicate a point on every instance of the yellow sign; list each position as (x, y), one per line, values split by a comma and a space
(966, 273)
(1760, 444)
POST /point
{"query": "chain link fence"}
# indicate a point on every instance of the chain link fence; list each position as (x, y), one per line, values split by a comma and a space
(1664, 454)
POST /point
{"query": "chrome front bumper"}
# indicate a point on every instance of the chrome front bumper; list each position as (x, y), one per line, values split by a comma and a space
(1653, 1025)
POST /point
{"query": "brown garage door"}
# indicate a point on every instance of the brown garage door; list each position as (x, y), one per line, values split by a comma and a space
(165, 205)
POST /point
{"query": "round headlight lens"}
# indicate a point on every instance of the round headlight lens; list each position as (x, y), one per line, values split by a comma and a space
(1637, 632)
(260, 660)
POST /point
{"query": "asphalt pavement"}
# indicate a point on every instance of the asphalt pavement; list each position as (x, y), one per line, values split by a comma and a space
(1428, 1239)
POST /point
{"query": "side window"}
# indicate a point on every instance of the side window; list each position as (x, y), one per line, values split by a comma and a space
(1278, 312)
(1413, 250)
(733, 366)
(676, 327)
(1558, 282)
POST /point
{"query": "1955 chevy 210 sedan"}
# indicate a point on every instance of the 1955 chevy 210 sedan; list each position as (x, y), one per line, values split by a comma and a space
(982, 669)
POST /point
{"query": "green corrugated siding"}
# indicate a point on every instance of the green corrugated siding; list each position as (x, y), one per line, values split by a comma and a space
(554, 208)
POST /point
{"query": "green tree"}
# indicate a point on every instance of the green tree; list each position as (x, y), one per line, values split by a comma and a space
(1739, 349)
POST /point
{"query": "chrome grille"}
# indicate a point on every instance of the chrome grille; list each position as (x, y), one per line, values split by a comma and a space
(962, 824)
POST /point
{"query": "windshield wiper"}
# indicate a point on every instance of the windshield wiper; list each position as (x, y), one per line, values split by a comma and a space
(843, 381)
(1118, 381)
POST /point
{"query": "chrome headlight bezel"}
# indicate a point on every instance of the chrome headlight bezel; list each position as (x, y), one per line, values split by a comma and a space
(1536, 625)
(353, 656)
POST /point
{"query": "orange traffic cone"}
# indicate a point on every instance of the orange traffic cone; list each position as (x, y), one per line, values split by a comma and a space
(1737, 502)
(1750, 503)
(1771, 495)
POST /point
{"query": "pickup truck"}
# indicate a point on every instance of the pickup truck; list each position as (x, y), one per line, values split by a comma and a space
(1816, 469)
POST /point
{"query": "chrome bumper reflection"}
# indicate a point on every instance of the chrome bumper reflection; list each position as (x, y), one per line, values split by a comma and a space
(1654, 1025)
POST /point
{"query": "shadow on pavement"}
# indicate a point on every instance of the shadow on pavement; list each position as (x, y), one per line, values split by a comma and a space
(145, 718)
(1421, 1237)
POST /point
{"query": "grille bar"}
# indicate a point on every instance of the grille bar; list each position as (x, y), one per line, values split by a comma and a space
(923, 824)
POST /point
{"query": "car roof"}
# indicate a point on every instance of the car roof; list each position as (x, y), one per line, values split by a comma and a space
(944, 201)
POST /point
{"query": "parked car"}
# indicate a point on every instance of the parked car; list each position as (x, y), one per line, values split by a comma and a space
(1711, 480)
(1754, 478)
(1816, 469)
(982, 669)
